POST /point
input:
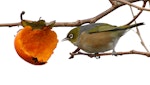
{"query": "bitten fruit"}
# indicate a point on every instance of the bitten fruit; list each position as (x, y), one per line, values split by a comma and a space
(35, 42)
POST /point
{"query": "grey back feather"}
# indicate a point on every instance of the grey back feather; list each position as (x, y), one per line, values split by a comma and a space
(89, 26)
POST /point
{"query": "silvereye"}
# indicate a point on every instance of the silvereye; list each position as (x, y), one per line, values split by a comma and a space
(98, 37)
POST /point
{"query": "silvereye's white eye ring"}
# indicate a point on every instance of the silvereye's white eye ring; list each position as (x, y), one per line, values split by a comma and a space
(70, 36)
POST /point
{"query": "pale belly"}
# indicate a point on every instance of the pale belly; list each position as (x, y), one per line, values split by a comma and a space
(97, 42)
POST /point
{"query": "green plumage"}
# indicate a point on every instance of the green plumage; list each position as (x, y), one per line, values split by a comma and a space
(103, 27)
(98, 37)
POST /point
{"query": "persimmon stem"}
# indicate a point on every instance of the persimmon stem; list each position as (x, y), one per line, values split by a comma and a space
(22, 13)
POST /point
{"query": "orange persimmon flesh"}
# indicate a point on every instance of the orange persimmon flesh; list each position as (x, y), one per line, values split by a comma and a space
(35, 45)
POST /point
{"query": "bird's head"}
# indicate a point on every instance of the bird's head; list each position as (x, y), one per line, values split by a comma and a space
(73, 35)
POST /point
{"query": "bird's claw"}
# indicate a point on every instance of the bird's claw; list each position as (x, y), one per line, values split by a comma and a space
(76, 52)
(72, 55)
(114, 53)
(97, 57)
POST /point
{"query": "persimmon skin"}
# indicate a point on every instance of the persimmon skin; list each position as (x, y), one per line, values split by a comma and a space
(35, 45)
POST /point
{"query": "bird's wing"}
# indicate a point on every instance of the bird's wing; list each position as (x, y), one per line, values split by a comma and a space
(102, 27)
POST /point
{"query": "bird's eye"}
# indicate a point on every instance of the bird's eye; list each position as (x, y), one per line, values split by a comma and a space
(70, 36)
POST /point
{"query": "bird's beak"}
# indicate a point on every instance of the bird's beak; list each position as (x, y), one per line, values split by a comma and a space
(64, 39)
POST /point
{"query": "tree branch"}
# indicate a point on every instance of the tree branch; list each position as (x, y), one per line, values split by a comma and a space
(89, 20)
(118, 53)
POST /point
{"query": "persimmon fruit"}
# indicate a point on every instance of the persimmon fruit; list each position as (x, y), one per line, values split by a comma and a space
(35, 42)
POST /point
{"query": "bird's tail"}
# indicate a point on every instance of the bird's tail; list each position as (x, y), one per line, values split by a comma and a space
(135, 25)
(125, 27)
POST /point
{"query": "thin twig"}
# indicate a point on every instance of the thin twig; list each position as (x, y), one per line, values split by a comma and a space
(118, 53)
(138, 32)
(10, 24)
(149, 2)
(135, 17)
(142, 41)
(126, 2)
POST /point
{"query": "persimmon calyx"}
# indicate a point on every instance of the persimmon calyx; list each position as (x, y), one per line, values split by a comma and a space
(35, 24)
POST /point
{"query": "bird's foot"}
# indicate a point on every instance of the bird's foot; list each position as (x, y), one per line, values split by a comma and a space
(73, 53)
(76, 52)
(114, 53)
(97, 57)
(89, 55)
